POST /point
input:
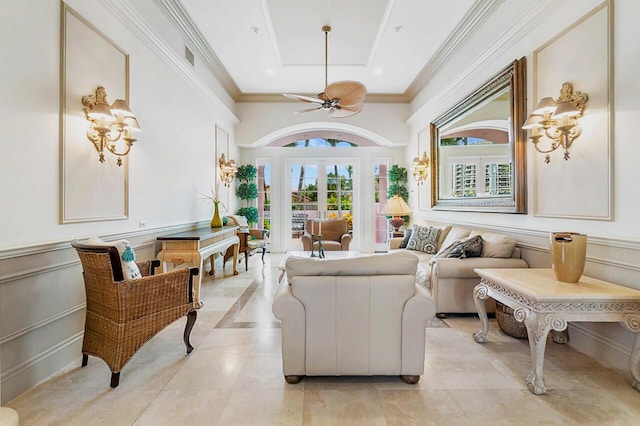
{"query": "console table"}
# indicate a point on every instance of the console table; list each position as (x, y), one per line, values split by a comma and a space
(546, 304)
(194, 246)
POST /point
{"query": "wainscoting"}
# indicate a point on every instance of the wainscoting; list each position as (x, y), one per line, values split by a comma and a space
(42, 301)
(42, 307)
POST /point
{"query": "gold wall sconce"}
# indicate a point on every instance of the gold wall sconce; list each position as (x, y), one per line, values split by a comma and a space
(557, 119)
(228, 170)
(419, 167)
(109, 123)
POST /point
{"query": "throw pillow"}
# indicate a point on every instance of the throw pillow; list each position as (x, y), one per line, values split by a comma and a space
(405, 241)
(444, 251)
(130, 269)
(424, 238)
(496, 245)
(470, 247)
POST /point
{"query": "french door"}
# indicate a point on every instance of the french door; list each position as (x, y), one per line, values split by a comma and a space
(319, 189)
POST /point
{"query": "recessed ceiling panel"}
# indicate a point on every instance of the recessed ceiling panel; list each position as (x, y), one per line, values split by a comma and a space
(277, 46)
(299, 39)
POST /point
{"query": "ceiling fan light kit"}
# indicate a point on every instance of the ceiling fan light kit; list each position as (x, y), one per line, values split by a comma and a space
(341, 99)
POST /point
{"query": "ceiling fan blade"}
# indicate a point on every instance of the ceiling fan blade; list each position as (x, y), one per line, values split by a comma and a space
(342, 112)
(350, 93)
(308, 110)
(303, 98)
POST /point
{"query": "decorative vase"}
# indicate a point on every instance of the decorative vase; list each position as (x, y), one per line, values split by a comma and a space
(216, 222)
(568, 253)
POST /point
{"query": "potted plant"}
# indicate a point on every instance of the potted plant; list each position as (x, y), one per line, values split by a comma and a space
(247, 191)
(397, 177)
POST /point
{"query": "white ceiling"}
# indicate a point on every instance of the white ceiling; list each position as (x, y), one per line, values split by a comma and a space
(277, 46)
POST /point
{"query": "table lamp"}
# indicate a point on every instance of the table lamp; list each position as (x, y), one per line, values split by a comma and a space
(396, 207)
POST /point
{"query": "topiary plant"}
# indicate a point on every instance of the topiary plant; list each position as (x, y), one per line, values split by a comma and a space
(247, 191)
(251, 213)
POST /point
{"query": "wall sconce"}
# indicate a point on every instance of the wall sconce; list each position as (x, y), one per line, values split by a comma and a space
(557, 120)
(109, 123)
(228, 170)
(420, 166)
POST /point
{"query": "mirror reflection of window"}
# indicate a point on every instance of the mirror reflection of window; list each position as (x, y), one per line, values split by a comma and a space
(497, 178)
(464, 180)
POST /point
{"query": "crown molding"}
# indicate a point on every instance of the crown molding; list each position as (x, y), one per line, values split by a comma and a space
(132, 19)
(516, 31)
(182, 21)
(379, 98)
(475, 17)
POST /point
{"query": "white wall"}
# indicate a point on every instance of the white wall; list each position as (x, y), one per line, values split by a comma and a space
(41, 290)
(172, 160)
(614, 246)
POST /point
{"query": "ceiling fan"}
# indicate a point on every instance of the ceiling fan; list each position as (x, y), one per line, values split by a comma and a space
(341, 99)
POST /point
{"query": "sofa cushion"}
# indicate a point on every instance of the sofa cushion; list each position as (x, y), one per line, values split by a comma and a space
(467, 247)
(424, 238)
(405, 240)
(399, 262)
(495, 245)
(456, 233)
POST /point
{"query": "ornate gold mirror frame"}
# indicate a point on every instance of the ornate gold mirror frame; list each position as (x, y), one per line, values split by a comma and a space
(478, 149)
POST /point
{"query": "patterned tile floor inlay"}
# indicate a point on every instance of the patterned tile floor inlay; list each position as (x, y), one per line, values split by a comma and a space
(234, 377)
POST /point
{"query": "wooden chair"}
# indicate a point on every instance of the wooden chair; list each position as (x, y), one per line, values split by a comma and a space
(250, 239)
(122, 315)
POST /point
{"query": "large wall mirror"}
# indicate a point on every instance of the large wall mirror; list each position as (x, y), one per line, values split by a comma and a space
(478, 148)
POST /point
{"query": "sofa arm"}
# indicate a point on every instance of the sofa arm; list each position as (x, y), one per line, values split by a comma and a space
(395, 243)
(306, 242)
(290, 311)
(464, 268)
(345, 241)
(417, 311)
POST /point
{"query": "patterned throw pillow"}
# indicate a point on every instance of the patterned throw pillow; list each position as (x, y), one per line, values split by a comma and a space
(424, 238)
(405, 241)
(470, 247)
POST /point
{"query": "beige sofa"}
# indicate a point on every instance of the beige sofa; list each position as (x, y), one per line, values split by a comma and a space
(451, 280)
(355, 316)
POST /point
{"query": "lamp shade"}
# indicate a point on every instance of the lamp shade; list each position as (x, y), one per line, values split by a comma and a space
(102, 112)
(545, 105)
(532, 122)
(132, 123)
(396, 206)
(565, 109)
(120, 106)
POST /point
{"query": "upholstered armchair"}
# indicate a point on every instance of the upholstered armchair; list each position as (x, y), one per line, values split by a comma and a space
(358, 316)
(335, 235)
(123, 314)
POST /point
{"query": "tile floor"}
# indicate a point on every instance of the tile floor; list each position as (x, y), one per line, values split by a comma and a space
(234, 377)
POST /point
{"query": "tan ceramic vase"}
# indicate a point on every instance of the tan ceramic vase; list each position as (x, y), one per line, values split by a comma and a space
(568, 252)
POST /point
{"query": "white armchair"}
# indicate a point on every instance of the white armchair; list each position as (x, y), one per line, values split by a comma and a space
(356, 316)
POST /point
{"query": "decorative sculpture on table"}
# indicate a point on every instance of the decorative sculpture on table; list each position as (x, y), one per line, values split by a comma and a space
(317, 237)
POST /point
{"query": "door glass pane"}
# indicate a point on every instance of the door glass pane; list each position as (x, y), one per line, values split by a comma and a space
(380, 200)
(264, 196)
(304, 197)
(339, 192)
